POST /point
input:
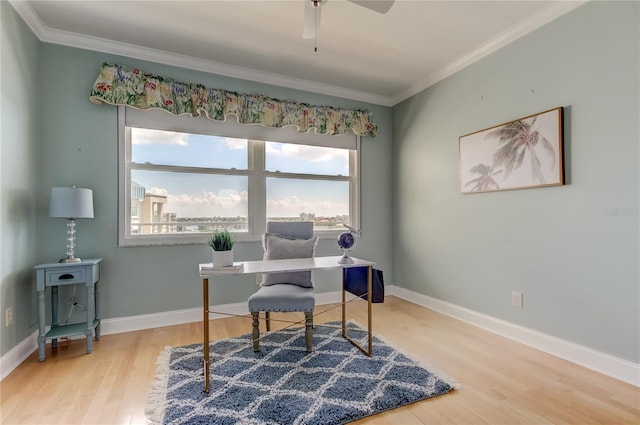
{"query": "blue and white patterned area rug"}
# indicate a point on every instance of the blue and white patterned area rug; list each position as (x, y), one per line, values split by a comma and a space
(283, 384)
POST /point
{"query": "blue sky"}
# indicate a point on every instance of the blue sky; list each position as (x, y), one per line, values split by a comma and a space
(207, 195)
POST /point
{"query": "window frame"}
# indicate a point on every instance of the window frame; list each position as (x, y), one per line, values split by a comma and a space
(256, 173)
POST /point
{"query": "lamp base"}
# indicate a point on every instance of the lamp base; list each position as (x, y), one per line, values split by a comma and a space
(70, 259)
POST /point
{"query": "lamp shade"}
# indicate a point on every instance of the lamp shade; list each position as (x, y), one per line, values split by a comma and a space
(71, 202)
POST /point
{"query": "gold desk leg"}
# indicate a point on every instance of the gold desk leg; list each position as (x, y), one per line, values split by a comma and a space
(205, 308)
(368, 352)
(344, 306)
(369, 302)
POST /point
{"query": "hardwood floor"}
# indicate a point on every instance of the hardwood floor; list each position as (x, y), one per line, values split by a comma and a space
(502, 382)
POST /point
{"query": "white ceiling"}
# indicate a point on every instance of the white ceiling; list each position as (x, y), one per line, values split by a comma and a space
(362, 55)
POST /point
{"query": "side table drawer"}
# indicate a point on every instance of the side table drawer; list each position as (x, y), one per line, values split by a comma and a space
(64, 277)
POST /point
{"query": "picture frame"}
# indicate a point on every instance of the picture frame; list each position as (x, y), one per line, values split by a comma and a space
(519, 154)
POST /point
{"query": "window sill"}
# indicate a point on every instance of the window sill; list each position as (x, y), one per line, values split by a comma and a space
(177, 240)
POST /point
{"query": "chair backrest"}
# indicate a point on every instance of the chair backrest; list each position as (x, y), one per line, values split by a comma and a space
(289, 239)
(291, 229)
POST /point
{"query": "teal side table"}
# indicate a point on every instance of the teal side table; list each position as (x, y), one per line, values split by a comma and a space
(85, 272)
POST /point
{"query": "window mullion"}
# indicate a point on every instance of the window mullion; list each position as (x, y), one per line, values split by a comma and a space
(279, 175)
(355, 185)
(183, 169)
(257, 188)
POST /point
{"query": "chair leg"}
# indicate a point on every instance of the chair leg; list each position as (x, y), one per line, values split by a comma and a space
(267, 317)
(256, 330)
(308, 331)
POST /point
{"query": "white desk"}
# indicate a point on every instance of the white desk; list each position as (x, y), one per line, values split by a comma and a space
(284, 266)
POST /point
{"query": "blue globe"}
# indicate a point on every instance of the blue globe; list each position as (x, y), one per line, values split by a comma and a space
(346, 240)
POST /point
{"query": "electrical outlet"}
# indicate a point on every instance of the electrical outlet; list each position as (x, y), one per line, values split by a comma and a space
(516, 299)
(8, 316)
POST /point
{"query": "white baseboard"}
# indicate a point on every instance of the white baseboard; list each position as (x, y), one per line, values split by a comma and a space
(179, 317)
(606, 364)
(18, 354)
(167, 318)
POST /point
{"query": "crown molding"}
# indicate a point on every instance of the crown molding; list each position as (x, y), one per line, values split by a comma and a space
(557, 9)
(65, 38)
(70, 39)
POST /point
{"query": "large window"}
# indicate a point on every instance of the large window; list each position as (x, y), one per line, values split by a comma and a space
(182, 178)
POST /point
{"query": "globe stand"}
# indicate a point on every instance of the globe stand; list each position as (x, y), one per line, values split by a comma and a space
(345, 259)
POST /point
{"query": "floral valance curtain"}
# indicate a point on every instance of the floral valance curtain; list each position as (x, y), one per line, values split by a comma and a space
(119, 85)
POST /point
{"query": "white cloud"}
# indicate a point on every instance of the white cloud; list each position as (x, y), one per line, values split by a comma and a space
(231, 203)
(158, 191)
(143, 136)
(306, 153)
(226, 203)
(236, 144)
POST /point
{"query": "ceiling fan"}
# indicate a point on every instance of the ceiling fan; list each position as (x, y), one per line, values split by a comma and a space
(312, 11)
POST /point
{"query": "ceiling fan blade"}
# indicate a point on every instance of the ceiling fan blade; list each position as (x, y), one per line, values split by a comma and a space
(380, 6)
(311, 18)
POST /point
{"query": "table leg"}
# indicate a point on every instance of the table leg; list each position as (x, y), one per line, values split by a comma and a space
(368, 352)
(205, 308)
(369, 303)
(41, 328)
(97, 310)
(91, 314)
(54, 313)
(344, 304)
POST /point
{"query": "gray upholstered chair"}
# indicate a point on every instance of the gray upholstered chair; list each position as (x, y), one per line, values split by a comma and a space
(285, 292)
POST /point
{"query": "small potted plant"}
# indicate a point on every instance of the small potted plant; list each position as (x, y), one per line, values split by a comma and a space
(221, 242)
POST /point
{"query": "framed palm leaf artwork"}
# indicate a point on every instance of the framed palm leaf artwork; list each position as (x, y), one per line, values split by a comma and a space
(520, 154)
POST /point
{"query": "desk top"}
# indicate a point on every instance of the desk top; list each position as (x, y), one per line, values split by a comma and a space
(283, 266)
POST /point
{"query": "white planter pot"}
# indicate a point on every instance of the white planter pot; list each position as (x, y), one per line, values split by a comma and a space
(223, 258)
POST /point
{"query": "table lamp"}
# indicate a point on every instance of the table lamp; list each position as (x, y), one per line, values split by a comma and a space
(71, 203)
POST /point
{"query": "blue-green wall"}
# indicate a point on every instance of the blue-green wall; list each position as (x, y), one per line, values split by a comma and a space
(572, 250)
(79, 146)
(19, 172)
